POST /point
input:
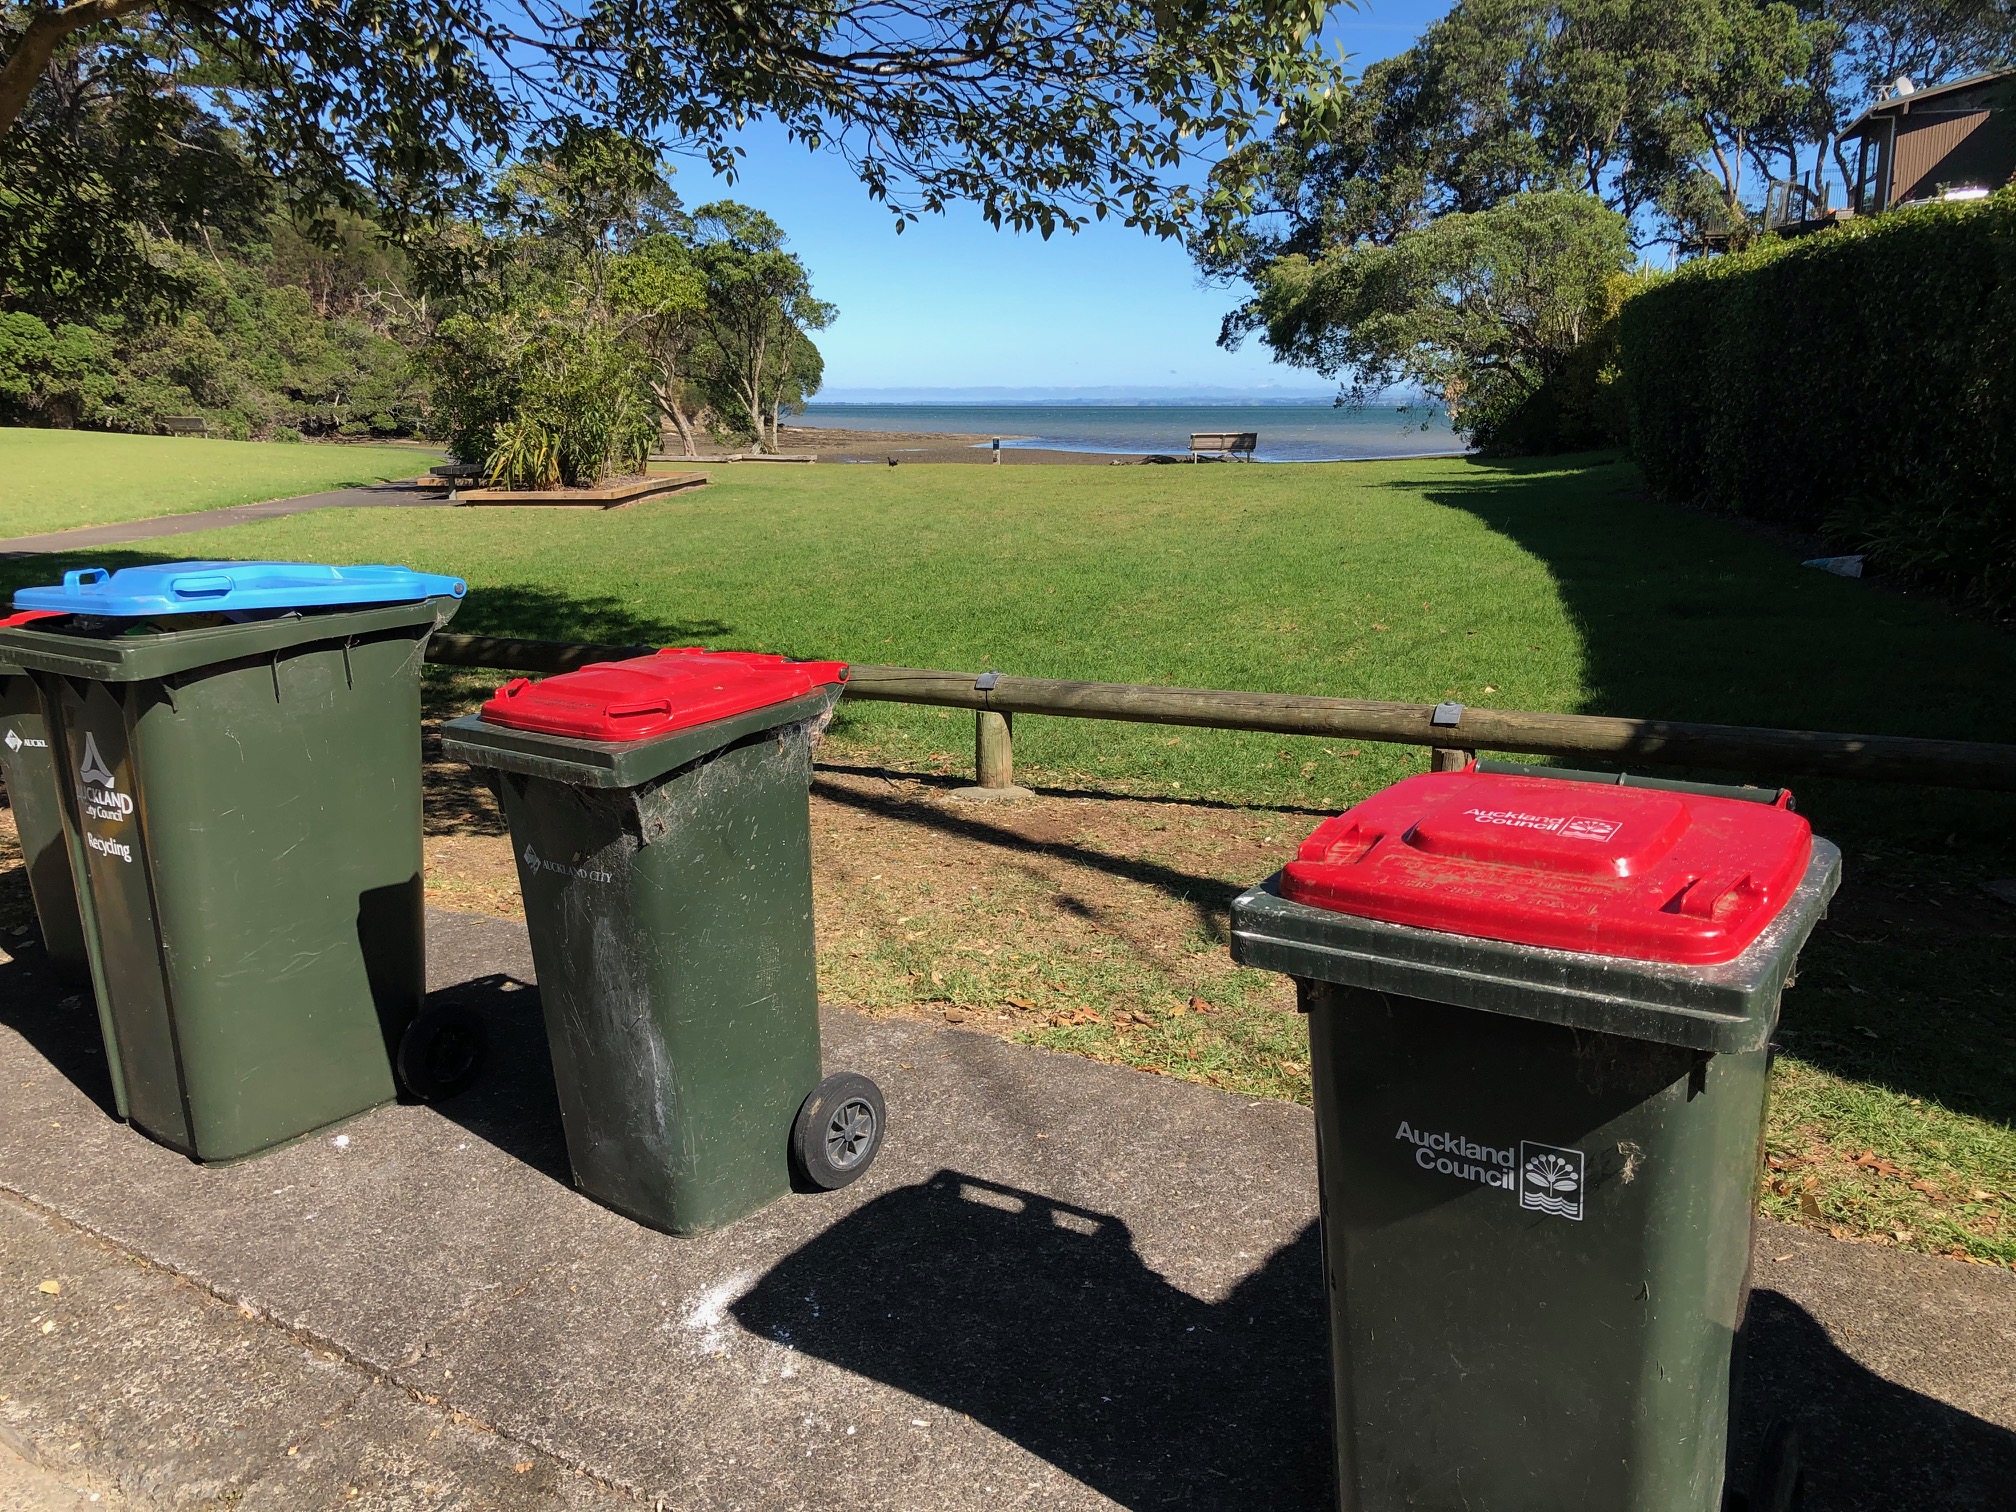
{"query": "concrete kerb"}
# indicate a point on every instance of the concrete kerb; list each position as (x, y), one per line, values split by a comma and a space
(1064, 1284)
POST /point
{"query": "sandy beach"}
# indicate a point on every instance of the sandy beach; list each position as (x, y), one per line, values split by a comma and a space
(866, 446)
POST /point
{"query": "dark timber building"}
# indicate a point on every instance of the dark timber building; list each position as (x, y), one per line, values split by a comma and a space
(1952, 141)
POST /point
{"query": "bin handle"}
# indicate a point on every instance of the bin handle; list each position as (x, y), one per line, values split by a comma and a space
(201, 585)
(83, 577)
(1705, 898)
(639, 710)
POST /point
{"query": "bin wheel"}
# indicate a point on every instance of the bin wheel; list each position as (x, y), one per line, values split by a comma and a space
(1778, 1484)
(441, 1051)
(838, 1131)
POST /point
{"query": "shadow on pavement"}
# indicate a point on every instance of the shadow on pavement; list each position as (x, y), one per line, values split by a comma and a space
(1870, 1445)
(59, 1020)
(1039, 1320)
(512, 1104)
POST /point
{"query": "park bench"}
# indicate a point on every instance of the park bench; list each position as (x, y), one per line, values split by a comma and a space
(1239, 445)
(185, 425)
(458, 476)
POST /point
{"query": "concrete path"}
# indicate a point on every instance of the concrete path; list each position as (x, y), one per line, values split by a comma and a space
(1063, 1285)
(85, 537)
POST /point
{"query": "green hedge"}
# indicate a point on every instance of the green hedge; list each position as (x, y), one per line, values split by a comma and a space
(1860, 383)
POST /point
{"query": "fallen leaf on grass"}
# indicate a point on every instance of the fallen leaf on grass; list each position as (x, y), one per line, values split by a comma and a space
(1810, 1205)
(1022, 1003)
(1198, 1005)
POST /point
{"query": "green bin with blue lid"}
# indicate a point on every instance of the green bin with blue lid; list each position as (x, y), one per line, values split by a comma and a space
(237, 746)
(30, 779)
(1540, 1011)
(659, 813)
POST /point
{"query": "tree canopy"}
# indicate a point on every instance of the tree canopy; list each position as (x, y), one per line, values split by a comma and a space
(1486, 310)
(1040, 112)
(1675, 113)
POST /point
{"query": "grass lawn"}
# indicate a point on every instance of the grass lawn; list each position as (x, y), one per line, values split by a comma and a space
(1548, 585)
(59, 479)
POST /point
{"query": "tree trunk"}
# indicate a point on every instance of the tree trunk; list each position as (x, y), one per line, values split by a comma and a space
(666, 393)
(753, 377)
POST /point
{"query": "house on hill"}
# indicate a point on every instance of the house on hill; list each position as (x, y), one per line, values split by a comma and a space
(1952, 141)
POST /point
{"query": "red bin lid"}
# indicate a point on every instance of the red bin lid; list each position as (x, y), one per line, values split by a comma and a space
(672, 690)
(1641, 873)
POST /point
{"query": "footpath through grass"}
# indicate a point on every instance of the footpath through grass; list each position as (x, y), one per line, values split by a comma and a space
(1545, 586)
(55, 480)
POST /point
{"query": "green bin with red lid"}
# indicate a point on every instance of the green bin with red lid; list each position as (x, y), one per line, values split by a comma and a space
(659, 813)
(32, 794)
(1540, 1011)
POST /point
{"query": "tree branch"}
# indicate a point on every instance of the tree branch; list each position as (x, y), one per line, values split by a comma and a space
(38, 44)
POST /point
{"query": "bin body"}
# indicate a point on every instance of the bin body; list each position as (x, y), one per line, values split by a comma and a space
(1538, 1169)
(668, 894)
(242, 808)
(30, 778)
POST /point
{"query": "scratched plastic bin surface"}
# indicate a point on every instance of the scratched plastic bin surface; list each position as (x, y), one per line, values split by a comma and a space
(1538, 1162)
(240, 795)
(664, 853)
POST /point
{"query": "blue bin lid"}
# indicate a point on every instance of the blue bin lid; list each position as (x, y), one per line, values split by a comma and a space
(222, 587)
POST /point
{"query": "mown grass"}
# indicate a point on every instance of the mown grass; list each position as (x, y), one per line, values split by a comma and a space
(55, 480)
(1550, 585)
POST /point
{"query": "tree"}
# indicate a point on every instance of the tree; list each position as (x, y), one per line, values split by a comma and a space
(1041, 112)
(108, 158)
(1486, 310)
(1678, 114)
(756, 307)
(662, 296)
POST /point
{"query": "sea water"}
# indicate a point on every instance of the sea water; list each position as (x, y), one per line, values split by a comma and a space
(1317, 431)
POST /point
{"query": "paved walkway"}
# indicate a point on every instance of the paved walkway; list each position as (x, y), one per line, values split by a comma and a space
(1064, 1285)
(85, 537)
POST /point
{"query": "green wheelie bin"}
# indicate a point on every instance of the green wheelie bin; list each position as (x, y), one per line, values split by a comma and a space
(1540, 1012)
(238, 745)
(30, 778)
(659, 813)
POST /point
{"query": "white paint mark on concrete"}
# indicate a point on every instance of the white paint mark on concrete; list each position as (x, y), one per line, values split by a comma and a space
(707, 1314)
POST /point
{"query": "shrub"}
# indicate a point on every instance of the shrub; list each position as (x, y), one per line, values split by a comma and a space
(1854, 383)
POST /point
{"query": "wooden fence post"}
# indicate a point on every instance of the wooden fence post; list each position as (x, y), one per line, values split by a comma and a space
(993, 759)
(1449, 758)
(993, 749)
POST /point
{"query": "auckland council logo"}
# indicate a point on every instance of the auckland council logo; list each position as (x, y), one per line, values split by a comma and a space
(94, 770)
(1550, 1179)
(536, 862)
(100, 791)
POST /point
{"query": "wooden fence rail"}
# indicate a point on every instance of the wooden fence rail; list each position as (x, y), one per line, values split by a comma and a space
(1451, 731)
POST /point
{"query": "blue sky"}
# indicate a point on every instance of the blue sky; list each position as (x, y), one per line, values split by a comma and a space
(952, 303)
